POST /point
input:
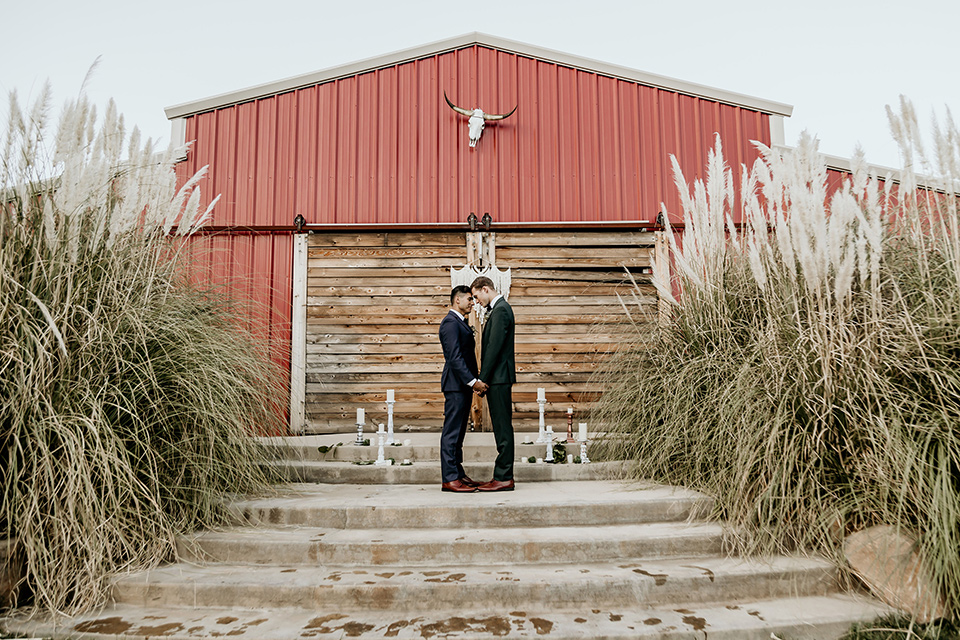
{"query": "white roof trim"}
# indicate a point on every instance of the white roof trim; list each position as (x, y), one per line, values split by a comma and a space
(846, 165)
(466, 40)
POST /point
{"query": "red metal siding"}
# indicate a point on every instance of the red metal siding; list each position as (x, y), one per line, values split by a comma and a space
(383, 147)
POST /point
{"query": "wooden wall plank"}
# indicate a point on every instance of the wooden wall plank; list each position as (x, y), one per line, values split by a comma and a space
(375, 301)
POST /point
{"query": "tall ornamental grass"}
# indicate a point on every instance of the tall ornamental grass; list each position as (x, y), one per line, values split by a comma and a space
(126, 392)
(809, 375)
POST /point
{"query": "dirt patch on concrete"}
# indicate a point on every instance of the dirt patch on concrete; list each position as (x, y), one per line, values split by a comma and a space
(160, 629)
(699, 624)
(115, 626)
(494, 625)
(393, 630)
(706, 572)
(542, 626)
(453, 577)
(659, 578)
(354, 629)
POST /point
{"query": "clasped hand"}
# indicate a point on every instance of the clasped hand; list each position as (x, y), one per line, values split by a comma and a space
(480, 387)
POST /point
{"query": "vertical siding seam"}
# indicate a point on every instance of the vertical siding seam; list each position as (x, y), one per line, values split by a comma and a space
(356, 151)
(256, 158)
(396, 152)
(294, 169)
(235, 164)
(335, 132)
(315, 160)
(618, 105)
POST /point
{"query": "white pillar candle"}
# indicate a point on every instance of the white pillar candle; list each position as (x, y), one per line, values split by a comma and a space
(380, 430)
(583, 432)
(390, 397)
(541, 394)
(360, 416)
(570, 410)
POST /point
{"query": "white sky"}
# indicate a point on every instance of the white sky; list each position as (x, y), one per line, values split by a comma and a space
(838, 62)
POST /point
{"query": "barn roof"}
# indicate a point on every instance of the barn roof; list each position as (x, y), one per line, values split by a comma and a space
(468, 40)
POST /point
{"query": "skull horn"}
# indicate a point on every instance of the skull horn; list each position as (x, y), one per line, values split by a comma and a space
(489, 116)
(461, 111)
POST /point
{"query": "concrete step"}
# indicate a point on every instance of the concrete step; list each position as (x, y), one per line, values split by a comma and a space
(427, 547)
(420, 506)
(808, 618)
(642, 583)
(429, 472)
(420, 447)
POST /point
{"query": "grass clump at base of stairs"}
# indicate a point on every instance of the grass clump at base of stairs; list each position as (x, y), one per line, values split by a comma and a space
(899, 627)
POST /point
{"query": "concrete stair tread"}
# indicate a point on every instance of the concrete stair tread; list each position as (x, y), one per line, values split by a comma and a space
(429, 472)
(653, 570)
(315, 545)
(410, 588)
(531, 496)
(615, 532)
(418, 506)
(815, 617)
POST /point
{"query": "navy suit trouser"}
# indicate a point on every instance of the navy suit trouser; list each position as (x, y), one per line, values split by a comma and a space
(456, 414)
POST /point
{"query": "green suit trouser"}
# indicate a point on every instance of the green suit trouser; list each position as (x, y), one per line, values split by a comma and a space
(500, 403)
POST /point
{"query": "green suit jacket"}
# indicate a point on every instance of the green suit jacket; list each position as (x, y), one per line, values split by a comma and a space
(498, 365)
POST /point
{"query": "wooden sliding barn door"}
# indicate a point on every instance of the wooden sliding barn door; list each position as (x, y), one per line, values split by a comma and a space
(374, 302)
(374, 306)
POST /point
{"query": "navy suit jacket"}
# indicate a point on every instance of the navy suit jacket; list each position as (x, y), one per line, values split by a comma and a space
(459, 356)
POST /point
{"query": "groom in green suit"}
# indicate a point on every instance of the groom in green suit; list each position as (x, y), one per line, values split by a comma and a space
(498, 369)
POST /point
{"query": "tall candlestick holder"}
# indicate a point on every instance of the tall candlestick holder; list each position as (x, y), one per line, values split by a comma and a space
(543, 432)
(549, 439)
(570, 438)
(380, 459)
(359, 441)
(390, 404)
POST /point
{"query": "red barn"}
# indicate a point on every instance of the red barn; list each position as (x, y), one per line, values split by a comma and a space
(381, 171)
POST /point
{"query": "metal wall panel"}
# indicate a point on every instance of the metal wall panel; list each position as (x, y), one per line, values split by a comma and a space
(254, 271)
(383, 147)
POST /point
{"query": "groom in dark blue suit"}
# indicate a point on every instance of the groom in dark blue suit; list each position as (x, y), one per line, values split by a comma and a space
(458, 382)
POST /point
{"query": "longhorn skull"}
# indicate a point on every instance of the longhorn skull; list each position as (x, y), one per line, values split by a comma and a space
(477, 119)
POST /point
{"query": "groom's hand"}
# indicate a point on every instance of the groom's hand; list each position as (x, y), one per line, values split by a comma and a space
(480, 387)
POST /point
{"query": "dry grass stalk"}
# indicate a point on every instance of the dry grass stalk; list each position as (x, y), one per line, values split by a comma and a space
(809, 375)
(126, 392)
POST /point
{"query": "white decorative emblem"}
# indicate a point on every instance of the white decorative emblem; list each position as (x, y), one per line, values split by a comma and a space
(477, 119)
(467, 274)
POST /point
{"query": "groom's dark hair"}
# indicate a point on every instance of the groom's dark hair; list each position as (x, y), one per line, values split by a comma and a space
(457, 290)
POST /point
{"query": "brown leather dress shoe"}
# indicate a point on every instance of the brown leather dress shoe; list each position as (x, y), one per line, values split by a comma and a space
(470, 483)
(497, 485)
(457, 487)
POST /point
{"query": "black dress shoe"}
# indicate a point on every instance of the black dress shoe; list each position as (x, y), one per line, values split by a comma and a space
(457, 487)
(470, 483)
(497, 485)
